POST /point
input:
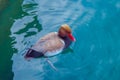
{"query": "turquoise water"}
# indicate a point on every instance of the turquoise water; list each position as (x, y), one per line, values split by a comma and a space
(94, 56)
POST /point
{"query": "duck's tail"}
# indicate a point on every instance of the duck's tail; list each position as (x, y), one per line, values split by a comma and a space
(33, 54)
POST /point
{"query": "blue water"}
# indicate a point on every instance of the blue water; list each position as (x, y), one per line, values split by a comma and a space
(94, 56)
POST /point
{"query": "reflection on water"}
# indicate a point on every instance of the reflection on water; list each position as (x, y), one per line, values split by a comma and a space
(95, 25)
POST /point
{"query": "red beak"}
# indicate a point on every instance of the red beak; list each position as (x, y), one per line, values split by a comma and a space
(71, 37)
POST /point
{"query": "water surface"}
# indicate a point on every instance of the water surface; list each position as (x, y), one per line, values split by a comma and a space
(94, 56)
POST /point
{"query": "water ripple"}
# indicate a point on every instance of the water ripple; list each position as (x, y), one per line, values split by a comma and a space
(91, 57)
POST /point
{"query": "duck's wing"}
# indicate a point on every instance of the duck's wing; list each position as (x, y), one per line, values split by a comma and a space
(49, 43)
(47, 37)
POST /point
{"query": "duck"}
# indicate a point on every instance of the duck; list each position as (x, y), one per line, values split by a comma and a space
(52, 44)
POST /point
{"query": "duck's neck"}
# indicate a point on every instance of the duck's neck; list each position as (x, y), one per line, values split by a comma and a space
(67, 41)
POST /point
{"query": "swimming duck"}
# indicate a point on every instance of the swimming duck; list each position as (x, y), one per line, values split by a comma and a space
(52, 43)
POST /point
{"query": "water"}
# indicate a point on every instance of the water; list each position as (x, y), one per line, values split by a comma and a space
(94, 56)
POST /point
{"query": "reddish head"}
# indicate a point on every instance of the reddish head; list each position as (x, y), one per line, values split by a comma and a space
(65, 30)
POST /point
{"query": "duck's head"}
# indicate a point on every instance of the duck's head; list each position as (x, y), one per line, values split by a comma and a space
(65, 31)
